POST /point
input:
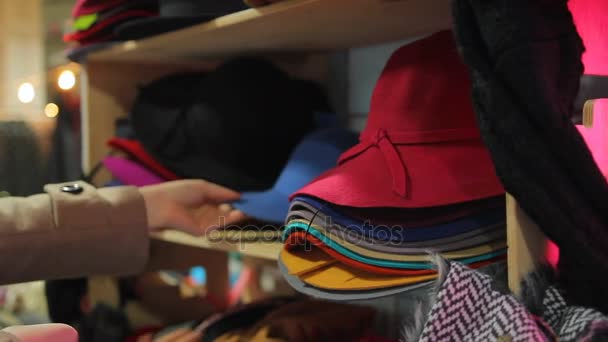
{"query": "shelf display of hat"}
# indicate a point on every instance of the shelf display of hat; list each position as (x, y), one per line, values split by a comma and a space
(234, 126)
(94, 23)
(420, 180)
(177, 14)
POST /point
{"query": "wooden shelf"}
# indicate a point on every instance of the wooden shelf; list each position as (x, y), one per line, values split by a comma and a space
(297, 34)
(293, 25)
(264, 250)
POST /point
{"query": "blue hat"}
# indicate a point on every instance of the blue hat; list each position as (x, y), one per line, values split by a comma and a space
(316, 153)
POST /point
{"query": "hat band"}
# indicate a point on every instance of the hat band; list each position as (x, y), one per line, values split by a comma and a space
(385, 141)
(421, 137)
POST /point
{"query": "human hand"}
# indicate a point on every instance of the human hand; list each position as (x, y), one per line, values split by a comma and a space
(192, 206)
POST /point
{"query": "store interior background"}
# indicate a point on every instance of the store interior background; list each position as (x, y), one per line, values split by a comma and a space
(40, 115)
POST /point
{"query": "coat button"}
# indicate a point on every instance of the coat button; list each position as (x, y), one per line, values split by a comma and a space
(73, 189)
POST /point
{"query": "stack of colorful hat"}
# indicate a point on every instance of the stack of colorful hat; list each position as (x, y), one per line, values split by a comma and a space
(94, 22)
(420, 180)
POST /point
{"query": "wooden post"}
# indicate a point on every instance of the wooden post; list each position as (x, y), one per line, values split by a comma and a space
(527, 245)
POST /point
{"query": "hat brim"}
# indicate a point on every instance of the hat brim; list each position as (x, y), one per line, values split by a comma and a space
(326, 273)
(406, 218)
(148, 27)
(269, 206)
(315, 292)
(338, 243)
(299, 238)
(487, 220)
(453, 242)
(438, 174)
(386, 260)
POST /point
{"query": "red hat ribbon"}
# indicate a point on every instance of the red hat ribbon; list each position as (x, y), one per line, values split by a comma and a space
(386, 141)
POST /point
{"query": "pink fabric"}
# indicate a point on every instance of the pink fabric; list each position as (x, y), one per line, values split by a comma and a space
(591, 20)
(130, 173)
(136, 150)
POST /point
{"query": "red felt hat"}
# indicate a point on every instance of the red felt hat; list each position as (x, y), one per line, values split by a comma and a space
(591, 20)
(82, 7)
(421, 146)
(134, 149)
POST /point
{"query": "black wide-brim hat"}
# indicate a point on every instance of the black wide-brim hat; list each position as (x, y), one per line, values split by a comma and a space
(178, 14)
(234, 126)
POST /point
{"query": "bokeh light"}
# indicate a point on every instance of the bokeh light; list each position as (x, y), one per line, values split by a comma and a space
(26, 93)
(51, 110)
(66, 80)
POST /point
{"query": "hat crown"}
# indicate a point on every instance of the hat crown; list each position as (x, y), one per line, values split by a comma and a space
(423, 87)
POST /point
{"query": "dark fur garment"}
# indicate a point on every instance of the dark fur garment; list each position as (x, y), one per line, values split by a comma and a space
(525, 63)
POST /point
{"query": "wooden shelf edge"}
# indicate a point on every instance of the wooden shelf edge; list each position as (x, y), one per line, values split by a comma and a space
(294, 25)
(260, 249)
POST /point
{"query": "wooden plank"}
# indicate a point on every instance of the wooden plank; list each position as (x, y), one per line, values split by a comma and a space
(259, 249)
(296, 25)
(527, 245)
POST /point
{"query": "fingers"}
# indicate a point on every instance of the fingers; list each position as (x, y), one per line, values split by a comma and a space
(234, 216)
(190, 192)
(225, 216)
(204, 219)
(212, 192)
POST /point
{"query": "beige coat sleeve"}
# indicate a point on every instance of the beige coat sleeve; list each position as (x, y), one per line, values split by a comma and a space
(64, 234)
